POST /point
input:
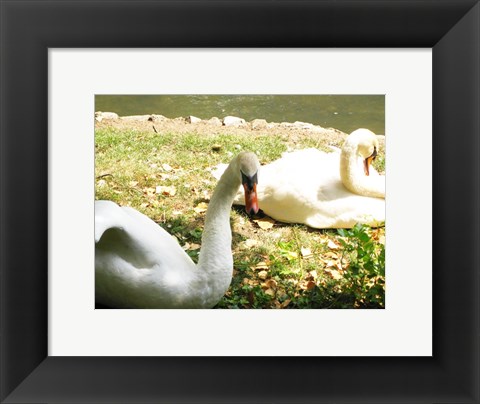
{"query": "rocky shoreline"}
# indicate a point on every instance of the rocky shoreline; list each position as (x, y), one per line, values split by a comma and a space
(227, 121)
(228, 124)
(291, 132)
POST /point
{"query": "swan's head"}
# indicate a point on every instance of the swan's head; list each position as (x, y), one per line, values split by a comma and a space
(248, 170)
(366, 143)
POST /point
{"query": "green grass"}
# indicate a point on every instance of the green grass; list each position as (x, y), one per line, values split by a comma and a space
(286, 266)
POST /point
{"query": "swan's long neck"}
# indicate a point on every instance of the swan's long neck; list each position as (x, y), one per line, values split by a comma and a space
(215, 260)
(354, 178)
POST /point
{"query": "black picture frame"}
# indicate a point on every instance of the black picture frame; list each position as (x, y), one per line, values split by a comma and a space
(450, 28)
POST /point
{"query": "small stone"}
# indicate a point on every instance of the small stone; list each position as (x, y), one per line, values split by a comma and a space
(259, 124)
(317, 129)
(100, 116)
(302, 125)
(233, 121)
(138, 118)
(214, 121)
(193, 119)
(156, 118)
(216, 147)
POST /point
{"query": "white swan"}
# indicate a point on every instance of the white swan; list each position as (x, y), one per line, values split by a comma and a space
(324, 190)
(140, 265)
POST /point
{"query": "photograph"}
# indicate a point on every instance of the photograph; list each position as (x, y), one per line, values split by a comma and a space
(194, 203)
(240, 201)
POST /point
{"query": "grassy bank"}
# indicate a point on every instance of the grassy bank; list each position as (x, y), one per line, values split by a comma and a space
(165, 174)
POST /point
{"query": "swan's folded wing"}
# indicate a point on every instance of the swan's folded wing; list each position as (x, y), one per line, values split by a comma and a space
(140, 228)
(108, 215)
(137, 239)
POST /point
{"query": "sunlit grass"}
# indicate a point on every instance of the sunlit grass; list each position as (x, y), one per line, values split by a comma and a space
(285, 266)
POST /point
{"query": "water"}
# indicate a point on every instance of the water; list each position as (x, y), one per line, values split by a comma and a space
(344, 112)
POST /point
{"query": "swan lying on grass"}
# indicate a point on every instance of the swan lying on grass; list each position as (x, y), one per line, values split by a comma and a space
(139, 265)
(324, 190)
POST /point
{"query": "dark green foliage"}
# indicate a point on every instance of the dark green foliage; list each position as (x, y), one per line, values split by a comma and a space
(365, 275)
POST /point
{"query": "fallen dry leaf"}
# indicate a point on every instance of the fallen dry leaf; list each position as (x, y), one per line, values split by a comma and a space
(191, 246)
(330, 263)
(164, 190)
(285, 303)
(333, 273)
(261, 265)
(307, 285)
(306, 253)
(271, 283)
(250, 282)
(164, 177)
(149, 191)
(263, 275)
(201, 207)
(332, 245)
(265, 223)
(166, 167)
(270, 292)
(251, 243)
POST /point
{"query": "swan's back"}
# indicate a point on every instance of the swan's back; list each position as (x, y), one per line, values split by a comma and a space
(304, 186)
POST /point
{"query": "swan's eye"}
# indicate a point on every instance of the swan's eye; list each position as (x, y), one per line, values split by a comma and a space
(249, 181)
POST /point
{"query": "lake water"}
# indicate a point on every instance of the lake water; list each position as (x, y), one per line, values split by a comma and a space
(344, 112)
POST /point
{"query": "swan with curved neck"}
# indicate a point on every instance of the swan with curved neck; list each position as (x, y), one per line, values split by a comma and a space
(140, 265)
(358, 152)
(325, 190)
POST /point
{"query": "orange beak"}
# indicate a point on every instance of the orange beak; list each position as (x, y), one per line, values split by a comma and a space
(251, 201)
(368, 161)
